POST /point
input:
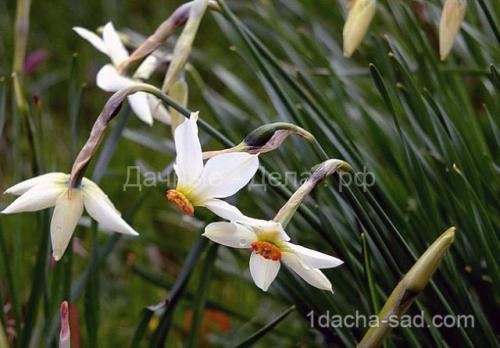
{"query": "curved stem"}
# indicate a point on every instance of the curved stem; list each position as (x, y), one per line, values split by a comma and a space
(320, 172)
(110, 110)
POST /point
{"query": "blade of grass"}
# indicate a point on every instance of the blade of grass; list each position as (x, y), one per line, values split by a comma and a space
(161, 332)
(38, 280)
(92, 291)
(76, 93)
(369, 275)
(201, 295)
(147, 314)
(252, 339)
(491, 19)
(3, 103)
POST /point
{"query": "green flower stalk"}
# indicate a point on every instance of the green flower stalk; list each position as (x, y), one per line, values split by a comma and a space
(320, 172)
(21, 34)
(409, 288)
(20, 44)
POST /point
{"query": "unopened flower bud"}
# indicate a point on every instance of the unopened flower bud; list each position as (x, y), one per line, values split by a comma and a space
(180, 93)
(270, 136)
(266, 138)
(407, 290)
(182, 48)
(64, 335)
(360, 15)
(420, 274)
(451, 19)
(164, 31)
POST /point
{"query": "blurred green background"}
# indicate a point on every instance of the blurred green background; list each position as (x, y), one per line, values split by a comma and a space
(439, 168)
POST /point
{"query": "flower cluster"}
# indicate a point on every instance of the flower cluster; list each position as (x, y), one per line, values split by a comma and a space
(203, 180)
(145, 106)
(222, 176)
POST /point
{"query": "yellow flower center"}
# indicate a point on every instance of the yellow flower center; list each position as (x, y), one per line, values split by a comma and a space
(267, 250)
(181, 201)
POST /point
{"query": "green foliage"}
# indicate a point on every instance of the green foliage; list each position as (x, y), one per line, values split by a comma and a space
(428, 132)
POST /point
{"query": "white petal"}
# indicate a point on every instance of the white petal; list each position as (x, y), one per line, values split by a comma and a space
(41, 196)
(147, 67)
(158, 110)
(263, 271)
(226, 174)
(91, 37)
(102, 210)
(230, 234)
(315, 259)
(189, 162)
(109, 80)
(139, 103)
(311, 275)
(68, 210)
(25, 185)
(114, 45)
(224, 210)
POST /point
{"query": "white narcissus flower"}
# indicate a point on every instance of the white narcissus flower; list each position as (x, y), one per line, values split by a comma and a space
(451, 19)
(271, 247)
(51, 190)
(201, 184)
(360, 16)
(145, 105)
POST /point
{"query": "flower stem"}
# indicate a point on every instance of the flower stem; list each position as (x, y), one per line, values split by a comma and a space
(407, 290)
(320, 172)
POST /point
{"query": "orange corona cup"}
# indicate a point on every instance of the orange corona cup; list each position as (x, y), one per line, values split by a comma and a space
(267, 250)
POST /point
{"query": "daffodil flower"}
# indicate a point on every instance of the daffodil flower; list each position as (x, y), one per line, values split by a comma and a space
(271, 247)
(51, 190)
(201, 184)
(145, 106)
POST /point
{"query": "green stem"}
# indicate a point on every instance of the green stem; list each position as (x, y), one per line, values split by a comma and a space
(407, 290)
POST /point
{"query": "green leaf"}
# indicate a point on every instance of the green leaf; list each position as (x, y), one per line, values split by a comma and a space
(202, 294)
(38, 281)
(252, 339)
(161, 332)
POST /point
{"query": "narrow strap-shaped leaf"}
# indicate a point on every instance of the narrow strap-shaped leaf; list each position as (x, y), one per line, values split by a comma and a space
(92, 292)
(3, 102)
(38, 280)
(369, 275)
(491, 19)
(201, 295)
(252, 339)
(161, 332)
(494, 76)
(76, 93)
(147, 314)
